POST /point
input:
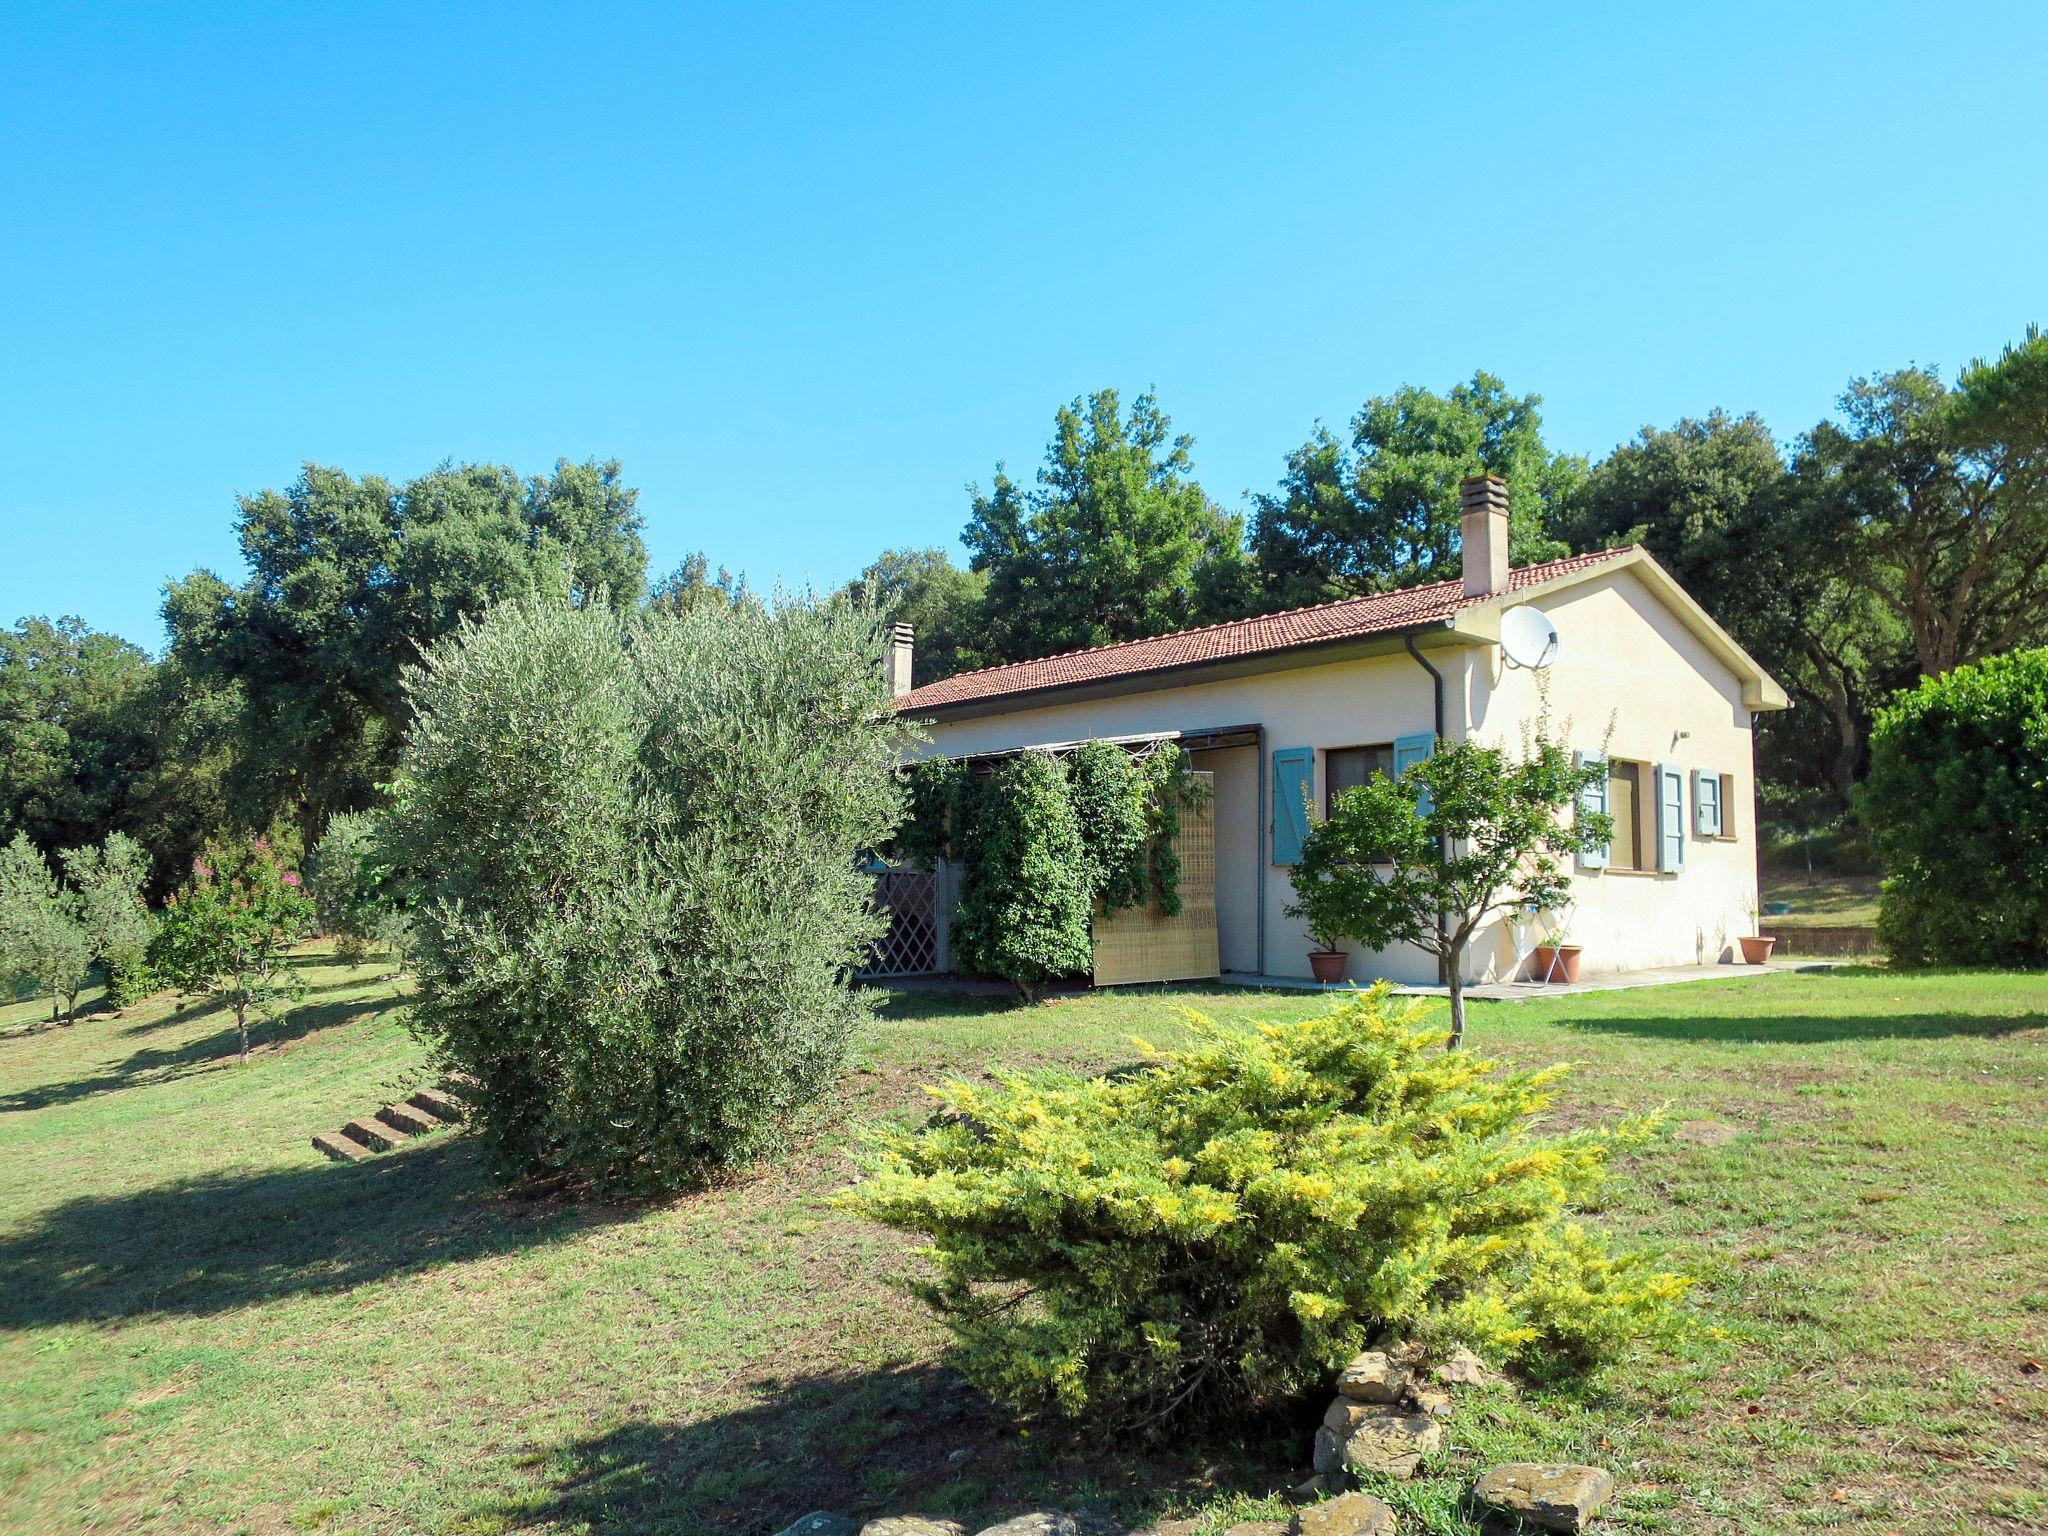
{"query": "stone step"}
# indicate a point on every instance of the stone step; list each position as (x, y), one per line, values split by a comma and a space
(374, 1134)
(340, 1148)
(406, 1118)
(442, 1106)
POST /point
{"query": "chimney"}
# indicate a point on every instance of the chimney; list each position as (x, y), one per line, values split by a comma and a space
(1483, 501)
(896, 660)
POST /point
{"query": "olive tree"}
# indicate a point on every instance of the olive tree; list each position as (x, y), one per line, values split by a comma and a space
(634, 847)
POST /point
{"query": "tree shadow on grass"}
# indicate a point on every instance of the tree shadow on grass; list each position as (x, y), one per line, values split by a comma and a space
(896, 1440)
(152, 1065)
(210, 1244)
(1811, 1029)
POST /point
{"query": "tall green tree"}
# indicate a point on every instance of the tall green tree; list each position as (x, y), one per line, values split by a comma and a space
(1714, 501)
(1109, 543)
(350, 579)
(1944, 493)
(691, 586)
(71, 739)
(944, 604)
(1378, 509)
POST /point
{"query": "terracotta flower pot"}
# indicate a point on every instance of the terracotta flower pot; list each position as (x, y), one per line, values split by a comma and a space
(1327, 964)
(1555, 962)
(1756, 949)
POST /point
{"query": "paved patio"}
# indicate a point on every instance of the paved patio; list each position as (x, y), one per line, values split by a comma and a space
(1523, 991)
(1493, 991)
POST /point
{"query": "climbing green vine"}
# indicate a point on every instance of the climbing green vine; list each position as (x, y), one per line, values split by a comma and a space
(1099, 822)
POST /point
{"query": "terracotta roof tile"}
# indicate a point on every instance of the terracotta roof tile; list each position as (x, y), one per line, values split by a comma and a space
(1347, 619)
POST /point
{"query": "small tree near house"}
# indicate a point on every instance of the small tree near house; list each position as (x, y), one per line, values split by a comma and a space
(1427, 858)
(227, 933)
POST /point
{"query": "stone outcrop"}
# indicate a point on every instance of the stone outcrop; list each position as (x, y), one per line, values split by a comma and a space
(1349, 1514)
(1055, 1522)
(913, 1525)
(1555, 1496)
(821, 1522)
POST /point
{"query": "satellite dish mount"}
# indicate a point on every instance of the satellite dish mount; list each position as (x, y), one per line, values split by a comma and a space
(1528, 638)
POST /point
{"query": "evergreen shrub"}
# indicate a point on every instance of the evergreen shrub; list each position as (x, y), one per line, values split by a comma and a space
(1024, 898)
(1957, 804)
(635, 843)
(1221, 1228)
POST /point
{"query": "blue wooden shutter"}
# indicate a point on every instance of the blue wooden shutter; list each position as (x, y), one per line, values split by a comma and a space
(1706, 803)
(1408, 751)
(1293, 782)
(1593, 798)
(1670, 818)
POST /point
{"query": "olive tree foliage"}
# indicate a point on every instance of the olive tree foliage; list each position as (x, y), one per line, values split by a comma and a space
(360, 897)
(1957, 804)
(1427, 859)
(41, 938)
(634, 846)
(108, 881)
(349, 577)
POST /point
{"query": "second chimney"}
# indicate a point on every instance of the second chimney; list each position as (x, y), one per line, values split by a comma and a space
(1483, 503)
(896, 661)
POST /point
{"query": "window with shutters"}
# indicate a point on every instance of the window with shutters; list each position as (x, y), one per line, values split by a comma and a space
(1349, 767)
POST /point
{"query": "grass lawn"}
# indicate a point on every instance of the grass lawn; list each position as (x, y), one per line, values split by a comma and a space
(1821, 901)
(205, 1326)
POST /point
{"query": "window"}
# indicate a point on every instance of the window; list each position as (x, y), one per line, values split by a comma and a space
(1626, 804)
(1348, 767)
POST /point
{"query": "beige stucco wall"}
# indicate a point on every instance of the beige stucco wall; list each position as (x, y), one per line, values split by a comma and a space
(1624, 656)
(1346, 704)
(1629, 671)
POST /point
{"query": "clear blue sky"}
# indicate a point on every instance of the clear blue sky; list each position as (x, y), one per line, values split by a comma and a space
(808, 270)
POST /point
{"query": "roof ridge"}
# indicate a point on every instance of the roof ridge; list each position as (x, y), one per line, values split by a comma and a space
(1426, 598)
(1203, 629)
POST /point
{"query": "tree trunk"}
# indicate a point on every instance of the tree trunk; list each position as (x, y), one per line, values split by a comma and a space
(242, 1024)
(1457, 985)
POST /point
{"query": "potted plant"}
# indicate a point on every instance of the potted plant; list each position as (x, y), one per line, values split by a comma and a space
(1756, 948)
(1326, 961)
(1320, 904)
(1557, 958)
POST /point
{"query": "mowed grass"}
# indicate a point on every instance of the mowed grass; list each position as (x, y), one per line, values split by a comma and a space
(206, 1326)
(1821, 900)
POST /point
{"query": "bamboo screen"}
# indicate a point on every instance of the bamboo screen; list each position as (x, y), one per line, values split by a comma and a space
(1142, 943)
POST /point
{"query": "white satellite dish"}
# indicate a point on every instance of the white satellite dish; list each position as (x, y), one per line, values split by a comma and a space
(1528, 638)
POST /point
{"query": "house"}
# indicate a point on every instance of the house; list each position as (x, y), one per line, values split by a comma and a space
(1285, 709)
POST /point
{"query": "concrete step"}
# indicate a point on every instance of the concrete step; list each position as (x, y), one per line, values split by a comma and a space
(340, 1148)
(404, 1117)
(374, 1134)
(442, 1106)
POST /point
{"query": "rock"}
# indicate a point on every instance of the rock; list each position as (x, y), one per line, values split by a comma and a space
(913, 1525)
(822, 1523)
(1373, 1377)
(1349, 1514)
(1055, 1522)
(1465, 1369)
(1430, 1400)
(1550, 1495)
(1328, 1460)
(1317, 1487)
(1175, 1527)
(1344, 1415)
(1257, 1528)
(1391, 1443)
(960, 1457)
